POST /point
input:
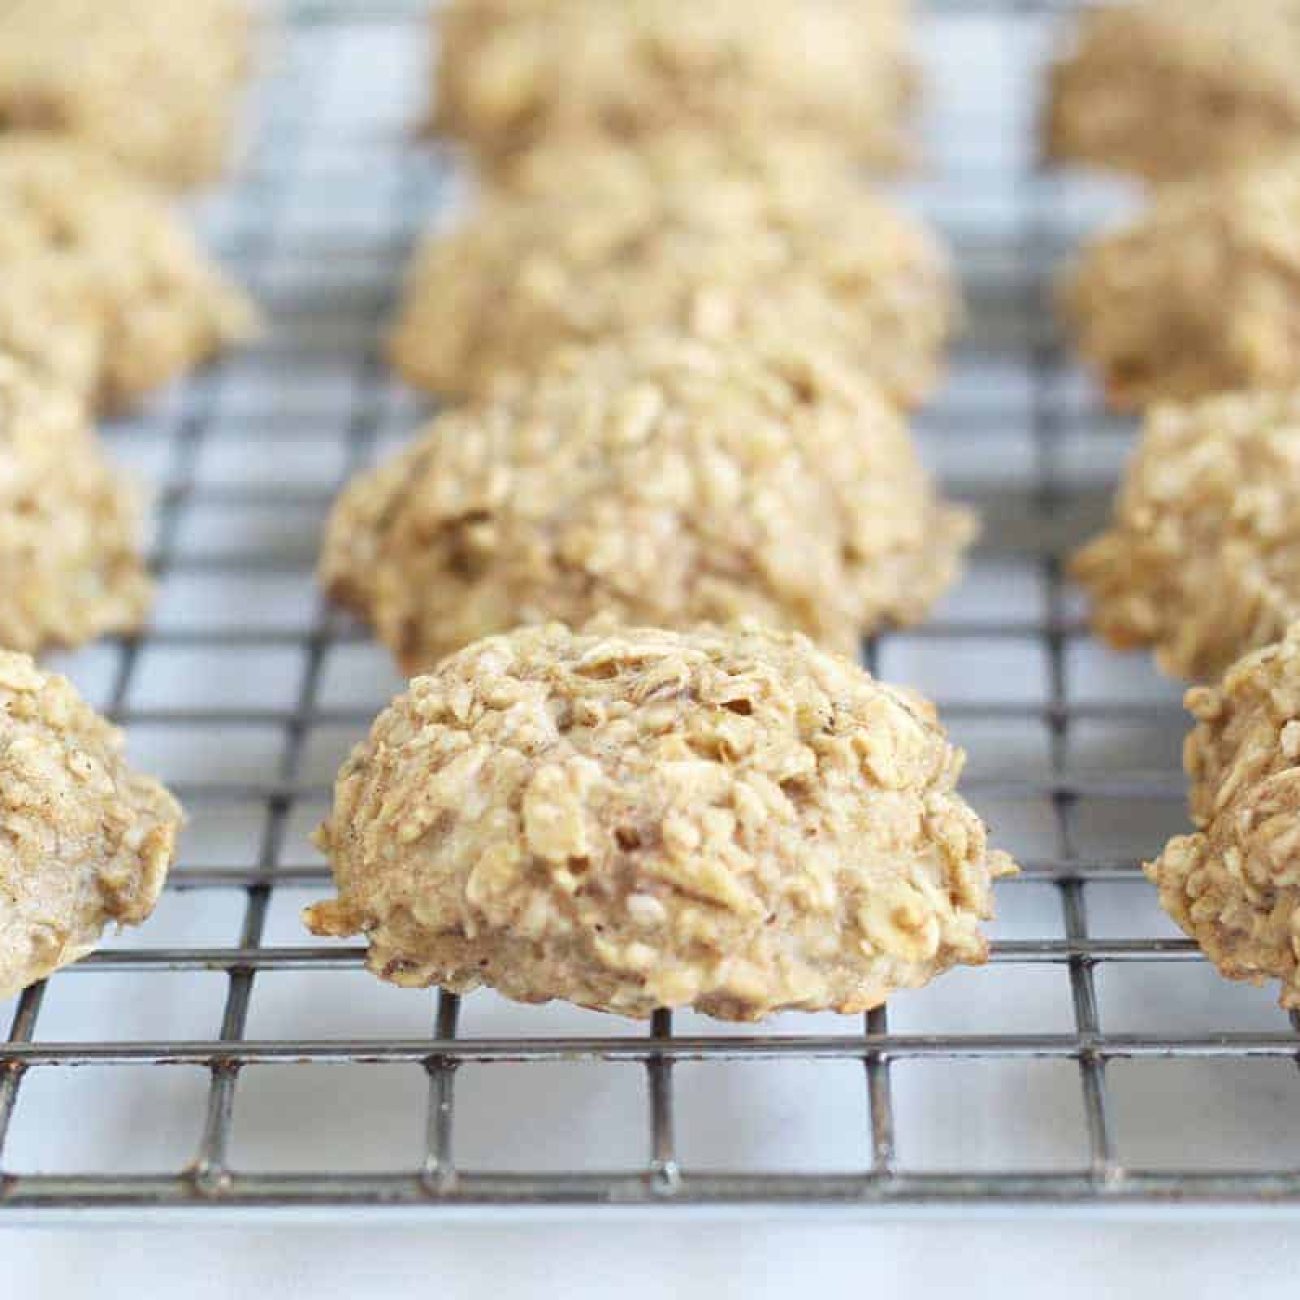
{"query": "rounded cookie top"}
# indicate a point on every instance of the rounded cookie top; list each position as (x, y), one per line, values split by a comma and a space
(84, 841)
(1196, 296)
(102, 289)
(513, 72)
(804, 251)
(632, 819)
(1233, 886)
(1202, 559)
(668, 481)
(1169, 90)
(70, 562)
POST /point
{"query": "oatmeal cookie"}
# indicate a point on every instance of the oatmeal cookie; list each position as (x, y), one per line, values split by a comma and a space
(70, 564)
(511, 73)
(1198, 295)
(102, 290)
(632, 819)
(669, 481)
(1171, 89)
(1234, 885)
(791, 161)
(742, 253)
(84, 841)
(151, 83)
(1202, 561)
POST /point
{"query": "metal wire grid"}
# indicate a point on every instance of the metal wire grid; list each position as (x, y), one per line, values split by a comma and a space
(306, 166)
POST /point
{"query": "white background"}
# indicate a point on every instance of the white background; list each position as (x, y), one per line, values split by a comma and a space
(1009, 1260)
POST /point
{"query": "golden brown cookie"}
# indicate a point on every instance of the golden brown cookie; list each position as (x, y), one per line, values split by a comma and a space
(1170, 89)
(102, 290)
(789, 161)
(70, 562)
(666, 480)
(151, 83)
(511, 73)
(1198, 295)
(1234, 885)
(1202, 560)
(790, 248)
(84, 841)
(632, 819)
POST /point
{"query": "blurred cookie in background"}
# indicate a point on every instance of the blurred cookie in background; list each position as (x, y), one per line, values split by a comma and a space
(71, 565)
(151, 83)
(513, 73)
(691, 239)
(103, 291)
(1197, 295)
(1168, 89)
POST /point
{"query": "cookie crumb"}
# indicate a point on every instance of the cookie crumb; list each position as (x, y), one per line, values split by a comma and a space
(102, 290)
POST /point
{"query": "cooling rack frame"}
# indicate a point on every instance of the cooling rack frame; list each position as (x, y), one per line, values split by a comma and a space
(1010, 274)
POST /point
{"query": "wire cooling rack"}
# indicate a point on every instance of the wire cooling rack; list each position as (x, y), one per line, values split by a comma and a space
(227, 1061)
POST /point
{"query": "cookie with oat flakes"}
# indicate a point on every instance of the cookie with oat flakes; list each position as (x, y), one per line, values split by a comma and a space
(791, 160)
(85, 842)
(630, 819)
(1202, 560)
(789, 244)
(670, 481)
(1197, 296)
(70, 562)
(1234, 885)
(515, 73)
(102, 289)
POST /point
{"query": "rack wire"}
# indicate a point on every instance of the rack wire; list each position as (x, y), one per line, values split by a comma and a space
(229, 1063)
